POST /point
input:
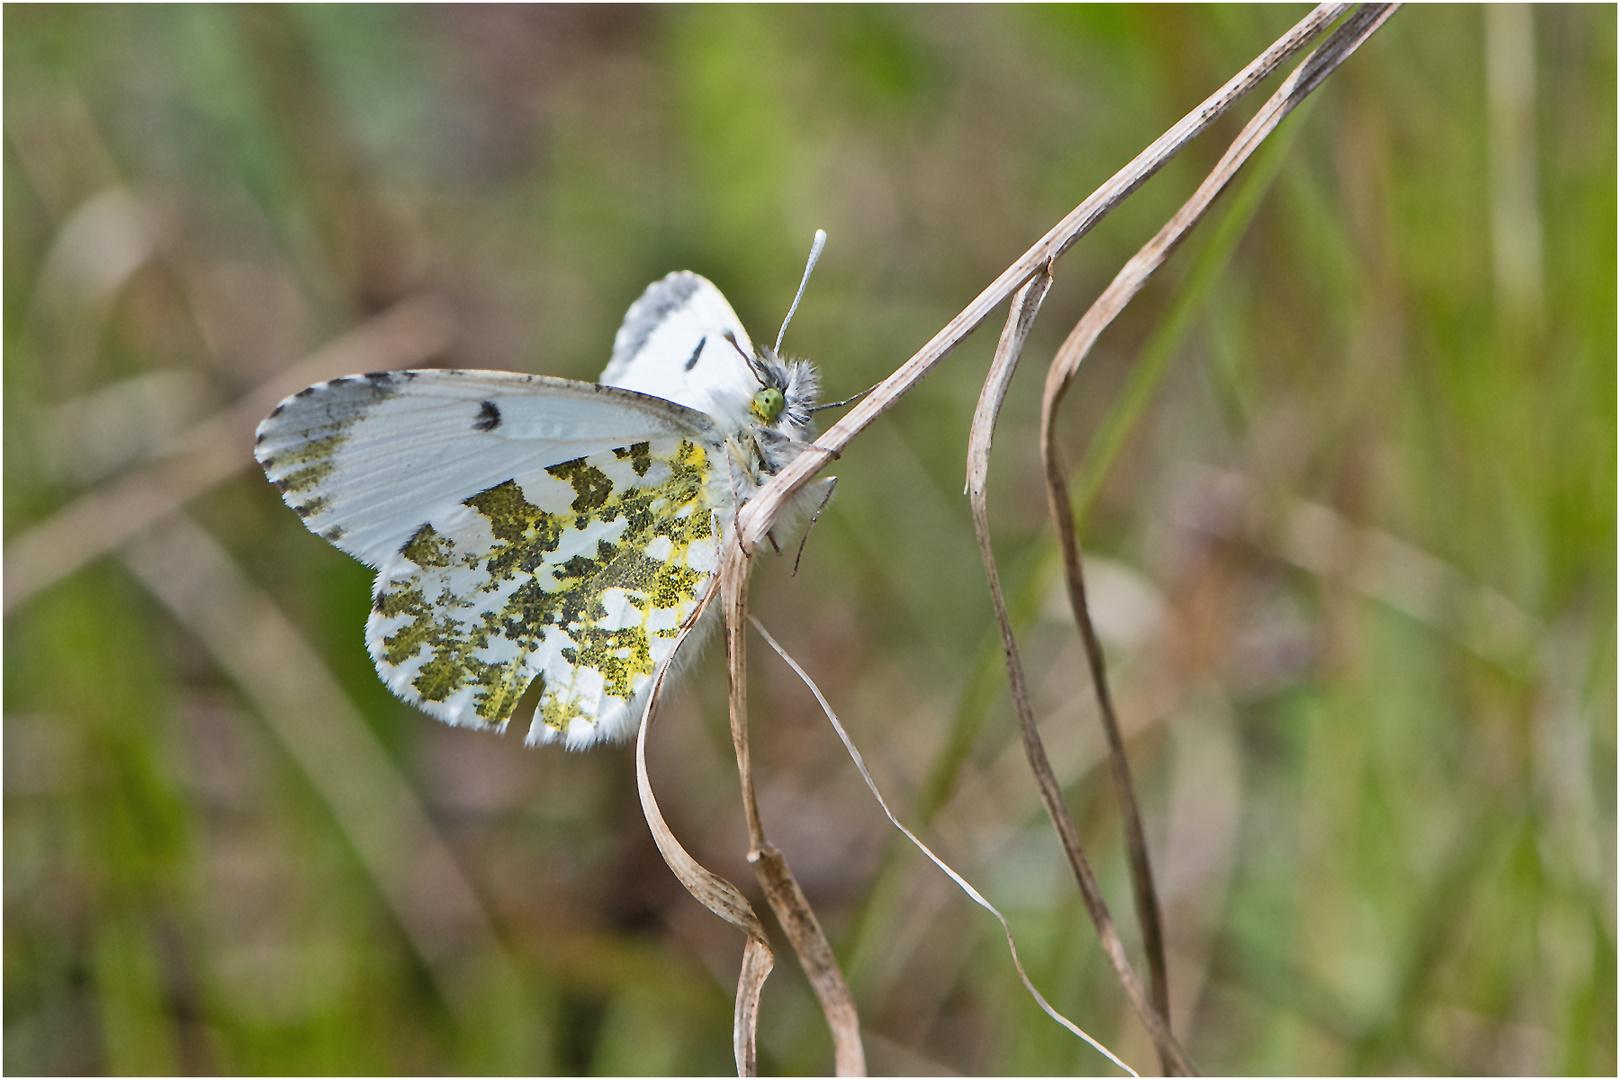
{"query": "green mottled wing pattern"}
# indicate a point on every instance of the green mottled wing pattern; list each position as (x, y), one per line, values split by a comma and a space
(580, 575)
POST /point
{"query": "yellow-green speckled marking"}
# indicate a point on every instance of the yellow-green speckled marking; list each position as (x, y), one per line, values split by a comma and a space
(582, 577)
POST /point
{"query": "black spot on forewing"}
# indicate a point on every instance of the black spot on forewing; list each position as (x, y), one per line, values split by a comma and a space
(697, 352)
(489, 417)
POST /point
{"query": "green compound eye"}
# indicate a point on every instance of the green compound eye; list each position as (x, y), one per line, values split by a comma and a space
(768, 404)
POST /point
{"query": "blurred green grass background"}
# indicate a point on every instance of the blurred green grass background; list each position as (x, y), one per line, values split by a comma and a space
(1353, 555)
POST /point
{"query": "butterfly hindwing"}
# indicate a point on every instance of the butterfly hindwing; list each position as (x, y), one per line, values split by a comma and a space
(581, 574)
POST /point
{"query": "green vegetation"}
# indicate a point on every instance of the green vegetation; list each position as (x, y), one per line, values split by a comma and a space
(1353, 550)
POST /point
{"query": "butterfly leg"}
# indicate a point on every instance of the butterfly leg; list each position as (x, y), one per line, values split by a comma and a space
(831, 482)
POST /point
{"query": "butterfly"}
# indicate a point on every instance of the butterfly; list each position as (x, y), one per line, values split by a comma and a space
(530, 528)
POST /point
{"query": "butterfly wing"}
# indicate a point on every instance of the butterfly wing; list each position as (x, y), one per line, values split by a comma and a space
(673, 344)
(366, 459)
(523, 527)
(581, 575)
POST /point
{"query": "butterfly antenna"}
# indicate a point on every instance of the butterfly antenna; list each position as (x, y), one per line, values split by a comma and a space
(847, 401)
(753, 364)
(815, 253)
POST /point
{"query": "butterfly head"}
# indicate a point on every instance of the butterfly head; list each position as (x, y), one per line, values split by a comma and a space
(786, 395)
(787, 389)
(768, 404)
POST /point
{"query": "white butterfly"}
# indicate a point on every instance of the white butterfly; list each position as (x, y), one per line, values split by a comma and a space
(531, 527)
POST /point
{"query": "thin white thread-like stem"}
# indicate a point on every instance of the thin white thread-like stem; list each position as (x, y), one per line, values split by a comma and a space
(962, 883)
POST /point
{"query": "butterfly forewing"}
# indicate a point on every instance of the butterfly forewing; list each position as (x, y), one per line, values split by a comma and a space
(674, 344)
(367, 459)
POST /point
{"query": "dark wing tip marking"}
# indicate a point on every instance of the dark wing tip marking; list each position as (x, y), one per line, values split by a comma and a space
(697, 352)
(305, 392)
(661, 299)
(489, 417)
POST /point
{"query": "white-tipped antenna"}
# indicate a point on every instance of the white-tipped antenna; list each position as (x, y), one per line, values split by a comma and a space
(815, 253)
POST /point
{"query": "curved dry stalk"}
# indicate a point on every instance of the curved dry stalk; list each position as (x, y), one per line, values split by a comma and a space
(1066, 363)
(816, 956)
(755, 519)
(1019, 320)
(757, 963)
(1129, 281)
(708, 888)
(757, 516)
(771, 868)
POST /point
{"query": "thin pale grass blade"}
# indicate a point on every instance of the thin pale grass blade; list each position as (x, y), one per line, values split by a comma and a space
(1125, 286)
(708, 888)
(771, 869)
(961, 882)
(1025, 306)
(712, 891)
(406, 335)
(756, 518)
(309, 714)
(1008, 349)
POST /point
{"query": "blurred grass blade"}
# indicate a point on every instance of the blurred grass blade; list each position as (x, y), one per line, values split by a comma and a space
(408, 334)
(1142, 383)
(307, 710)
